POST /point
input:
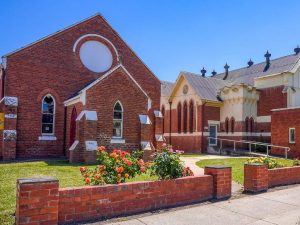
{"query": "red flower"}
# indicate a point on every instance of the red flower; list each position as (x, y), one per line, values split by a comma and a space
(120, 169)
(82, 169)
(102, 167)
(97, 176)
(101, 149)
(141, 162)
(129, 163)
(143, 169)
(87, 180)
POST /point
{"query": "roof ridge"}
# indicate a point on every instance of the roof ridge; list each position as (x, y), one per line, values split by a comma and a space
(255, 64)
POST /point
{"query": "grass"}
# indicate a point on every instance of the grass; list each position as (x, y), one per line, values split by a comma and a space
(237, 165)
(68, 175)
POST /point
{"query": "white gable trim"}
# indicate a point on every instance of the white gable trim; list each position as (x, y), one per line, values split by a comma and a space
(94, 35)
(81, 97)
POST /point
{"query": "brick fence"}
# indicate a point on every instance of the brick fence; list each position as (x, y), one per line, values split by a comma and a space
(41, 201)
(257, 177)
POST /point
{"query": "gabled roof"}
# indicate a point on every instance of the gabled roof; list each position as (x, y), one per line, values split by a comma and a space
(166, 88)
(206, 87)
(247, 75)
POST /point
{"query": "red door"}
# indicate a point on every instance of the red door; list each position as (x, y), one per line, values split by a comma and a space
(73, 126)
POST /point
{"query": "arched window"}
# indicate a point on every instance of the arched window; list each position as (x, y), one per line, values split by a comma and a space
(48, 115)
(118, 120)
(163, 120)
(232, 124)
(251, 124)
(179, 117)
(73, 126)
(191, 119)
(247, 124)
(185, 117)
(226, 125)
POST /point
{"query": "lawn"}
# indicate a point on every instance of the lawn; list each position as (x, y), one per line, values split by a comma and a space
(237, 165)
(68, 175)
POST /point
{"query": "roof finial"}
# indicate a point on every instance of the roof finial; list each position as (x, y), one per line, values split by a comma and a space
(226, 67)
(297, 50)
(213, 73)
(268, 56)
(250, 63)
(203, 71)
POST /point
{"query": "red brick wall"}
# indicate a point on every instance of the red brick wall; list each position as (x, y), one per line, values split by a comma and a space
(271, 98)
(187, 143)
(284, 176)
(50, 66)
(258, 178)
(102, 98)
(86, 203)
(281, 122)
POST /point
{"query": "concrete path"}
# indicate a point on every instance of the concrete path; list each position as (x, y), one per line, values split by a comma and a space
(274, 207)
(191, 162)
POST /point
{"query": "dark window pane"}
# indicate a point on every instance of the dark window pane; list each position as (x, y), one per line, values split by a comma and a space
(48, 105)
(118, 107)
(117, 129)
(47, 118)
(117, 115)
(47, 128)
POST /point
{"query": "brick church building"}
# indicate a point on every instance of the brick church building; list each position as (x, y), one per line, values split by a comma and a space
(73, 90)
(260, 102)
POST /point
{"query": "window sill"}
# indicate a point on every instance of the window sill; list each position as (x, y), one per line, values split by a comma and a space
(117, 141)
(47, 138)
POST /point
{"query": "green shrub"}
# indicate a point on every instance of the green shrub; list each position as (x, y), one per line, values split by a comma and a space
(114, 168)
(138, 154)
(271, 163)
(167, 164)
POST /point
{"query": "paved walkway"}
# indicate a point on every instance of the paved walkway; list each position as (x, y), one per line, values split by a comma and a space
(274, 207)
(191, 162)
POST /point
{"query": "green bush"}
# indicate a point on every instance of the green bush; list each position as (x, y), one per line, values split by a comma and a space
(167, 164)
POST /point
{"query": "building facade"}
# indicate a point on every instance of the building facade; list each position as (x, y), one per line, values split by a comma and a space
(71, 91)
(259, 102)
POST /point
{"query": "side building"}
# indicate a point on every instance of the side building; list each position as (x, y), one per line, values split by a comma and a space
(260, 102)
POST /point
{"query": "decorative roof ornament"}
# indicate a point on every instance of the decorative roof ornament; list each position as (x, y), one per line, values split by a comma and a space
(203, 71)
(213, 73)
(250, 63)
(297, 50)
(226, 67)
(268, 56)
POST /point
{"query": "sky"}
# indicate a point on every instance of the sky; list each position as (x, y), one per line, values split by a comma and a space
(168, 35)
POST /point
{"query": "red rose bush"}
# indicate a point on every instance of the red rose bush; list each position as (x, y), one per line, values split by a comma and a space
(114, 168)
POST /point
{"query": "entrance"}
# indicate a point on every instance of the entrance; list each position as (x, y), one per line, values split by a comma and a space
(213, 134)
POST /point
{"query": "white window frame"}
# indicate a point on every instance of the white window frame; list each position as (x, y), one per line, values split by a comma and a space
(54, 111)
(116, 137)
(290, 141)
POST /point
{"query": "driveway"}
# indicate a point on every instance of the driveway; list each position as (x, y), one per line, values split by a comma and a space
(273, 207)
(191, 162)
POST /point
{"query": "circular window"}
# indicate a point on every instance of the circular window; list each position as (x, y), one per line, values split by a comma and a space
(95, 56)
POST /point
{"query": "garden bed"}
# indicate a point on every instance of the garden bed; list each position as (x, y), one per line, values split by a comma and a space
(68, 175)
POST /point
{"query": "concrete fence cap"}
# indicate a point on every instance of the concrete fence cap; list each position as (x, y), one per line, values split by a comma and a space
(36, 180)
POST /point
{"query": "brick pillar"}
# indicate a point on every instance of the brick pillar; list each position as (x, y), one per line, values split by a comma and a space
(37, 201)
(9, 143)
(221, 180)
(159, 138)
(255, 177)
(85, 146)
(146, 137)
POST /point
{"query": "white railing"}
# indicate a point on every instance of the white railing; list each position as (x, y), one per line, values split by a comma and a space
(255, 143)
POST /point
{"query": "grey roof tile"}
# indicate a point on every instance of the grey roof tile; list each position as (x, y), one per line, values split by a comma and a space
(166, 88)
(206, 87)
(247, 75)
